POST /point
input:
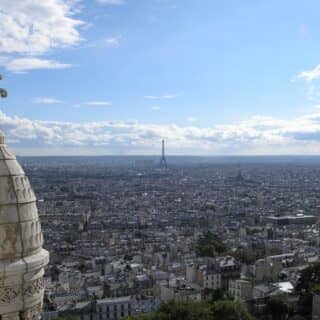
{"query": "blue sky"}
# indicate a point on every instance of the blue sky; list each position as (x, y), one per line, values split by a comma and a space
(117, 76)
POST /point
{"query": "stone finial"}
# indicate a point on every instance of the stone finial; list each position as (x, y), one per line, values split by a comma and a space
(3, 92)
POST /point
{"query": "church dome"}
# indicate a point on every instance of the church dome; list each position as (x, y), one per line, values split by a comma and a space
(22, 257)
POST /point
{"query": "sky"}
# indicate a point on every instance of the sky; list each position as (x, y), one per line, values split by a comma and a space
(211, 77)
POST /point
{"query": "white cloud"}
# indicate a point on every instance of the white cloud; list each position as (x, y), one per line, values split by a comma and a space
(46, 100)
(31, 28)
(109, 42)
(310, 75)
(155, 108)
(255, 135)
(192, 119)
(112, 42)
(98, 103)
(112, 2)
(29, 63)
(163, 97)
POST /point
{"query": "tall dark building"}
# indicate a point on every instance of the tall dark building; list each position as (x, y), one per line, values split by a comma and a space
(163, 162)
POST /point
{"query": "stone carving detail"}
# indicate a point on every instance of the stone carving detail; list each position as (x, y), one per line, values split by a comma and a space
(34, 287)
(9, 238)
(23, 188)
(33, 229)
(10, 189)
(11, 316)
(8, 294)
(33, 313)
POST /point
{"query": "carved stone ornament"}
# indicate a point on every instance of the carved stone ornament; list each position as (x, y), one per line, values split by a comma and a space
(35, 287)
(8, 294)
(22, 258)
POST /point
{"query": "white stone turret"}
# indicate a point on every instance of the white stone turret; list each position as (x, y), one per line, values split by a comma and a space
(22, 258)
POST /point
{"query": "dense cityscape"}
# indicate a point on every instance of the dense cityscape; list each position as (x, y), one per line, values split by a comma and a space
(126, 235)
(159, 160)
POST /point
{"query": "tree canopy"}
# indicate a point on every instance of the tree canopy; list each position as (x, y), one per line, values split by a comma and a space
(210, 245)
(308, 283)
(192, 310)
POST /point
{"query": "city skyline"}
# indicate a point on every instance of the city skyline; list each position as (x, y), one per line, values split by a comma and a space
(160, 159)
(117, 77)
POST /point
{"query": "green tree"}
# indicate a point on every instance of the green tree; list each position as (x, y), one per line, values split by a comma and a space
(309, 278)
(68, 317)
(216, 294)
(245, 256)
(230, 310)
(277, 308)
(297, 317)
(184, 310)
(192, 310)
(308, 283)
(209, 245)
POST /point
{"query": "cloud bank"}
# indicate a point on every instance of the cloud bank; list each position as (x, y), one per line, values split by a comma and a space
(256, 135)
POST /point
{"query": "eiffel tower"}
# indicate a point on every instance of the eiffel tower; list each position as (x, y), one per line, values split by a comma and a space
(163, 162)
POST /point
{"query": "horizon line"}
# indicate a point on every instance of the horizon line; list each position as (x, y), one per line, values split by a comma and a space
(173, 155)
